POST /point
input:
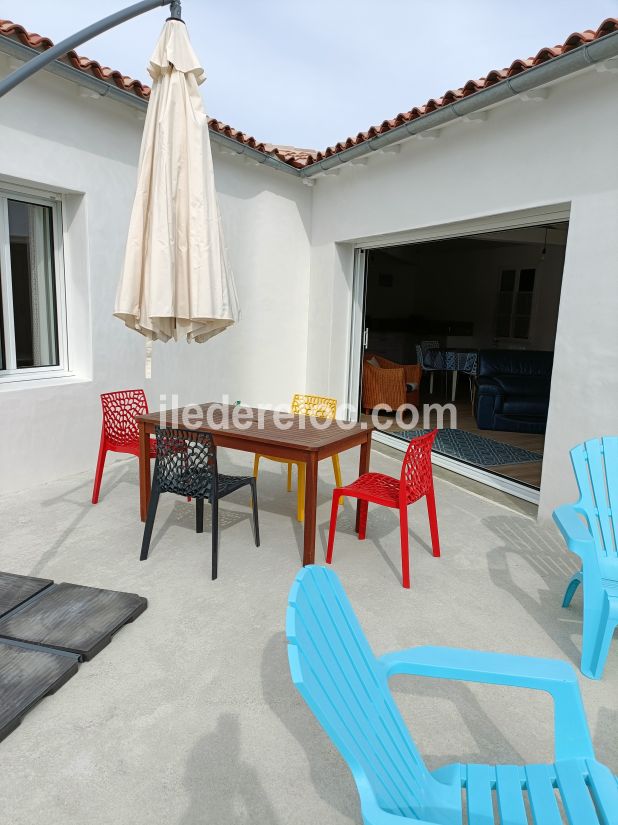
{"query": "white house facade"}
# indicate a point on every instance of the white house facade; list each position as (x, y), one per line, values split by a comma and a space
(296, 239)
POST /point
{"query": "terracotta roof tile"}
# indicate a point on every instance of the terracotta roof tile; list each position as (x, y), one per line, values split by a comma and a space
(300, 158)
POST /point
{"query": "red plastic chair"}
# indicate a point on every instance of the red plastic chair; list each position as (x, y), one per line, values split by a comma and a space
(415, 482)
(119, 432)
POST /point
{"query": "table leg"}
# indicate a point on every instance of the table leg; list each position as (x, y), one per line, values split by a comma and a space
(454, 386)
(311, 495)
(144, 470)
(363, 467)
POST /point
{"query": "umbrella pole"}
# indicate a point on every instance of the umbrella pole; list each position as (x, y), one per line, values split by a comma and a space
(60, 49)
(175, 10)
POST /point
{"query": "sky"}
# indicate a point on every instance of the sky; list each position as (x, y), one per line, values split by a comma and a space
(311, 72)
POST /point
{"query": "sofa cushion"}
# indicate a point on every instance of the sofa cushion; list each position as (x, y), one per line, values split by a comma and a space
(523, 385)
(526, 407)
(487, 386)
(515, 362)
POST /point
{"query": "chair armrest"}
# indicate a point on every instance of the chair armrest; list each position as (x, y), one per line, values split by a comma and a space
(487, 386)
(413, 373)
(576, 533)
(393, 374)
(386, 374)
(572, 736)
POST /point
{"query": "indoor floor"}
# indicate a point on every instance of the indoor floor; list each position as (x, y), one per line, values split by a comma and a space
(525, 472)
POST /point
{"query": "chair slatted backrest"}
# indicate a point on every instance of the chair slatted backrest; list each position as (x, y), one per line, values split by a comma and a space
(345, 686)
(596, 468)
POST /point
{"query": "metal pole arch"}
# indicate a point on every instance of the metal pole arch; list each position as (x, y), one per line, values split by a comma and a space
(60, 49)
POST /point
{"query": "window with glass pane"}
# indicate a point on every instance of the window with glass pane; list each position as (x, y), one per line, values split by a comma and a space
(29, 300)
(515, 303)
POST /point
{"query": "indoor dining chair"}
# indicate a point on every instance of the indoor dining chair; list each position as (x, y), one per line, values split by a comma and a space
(415, 481)
(434, 364)
(186, 464)
(318, 406)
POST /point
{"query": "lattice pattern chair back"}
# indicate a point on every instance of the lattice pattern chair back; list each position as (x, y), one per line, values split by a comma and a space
(467, 362)
(345, 686)
(595, 463)
(416, 476)
(186, 462)
(119, 411)
(319, 406)
(427, 345)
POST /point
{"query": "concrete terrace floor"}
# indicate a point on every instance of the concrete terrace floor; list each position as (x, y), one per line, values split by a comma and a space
(189, 717)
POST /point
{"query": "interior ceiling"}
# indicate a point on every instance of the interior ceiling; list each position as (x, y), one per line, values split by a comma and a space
(554, 234)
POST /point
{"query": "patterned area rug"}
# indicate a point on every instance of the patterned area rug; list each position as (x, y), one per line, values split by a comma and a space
(473, 448)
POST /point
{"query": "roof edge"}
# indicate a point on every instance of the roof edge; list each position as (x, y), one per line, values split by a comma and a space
(559, 67)
(578, 52)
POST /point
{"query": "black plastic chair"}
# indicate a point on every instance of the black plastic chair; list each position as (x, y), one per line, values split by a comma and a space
(186, 465)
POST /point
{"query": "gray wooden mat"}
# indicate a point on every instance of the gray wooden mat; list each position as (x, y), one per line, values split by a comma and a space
(27, 674)
(14, 590)
(71, 617)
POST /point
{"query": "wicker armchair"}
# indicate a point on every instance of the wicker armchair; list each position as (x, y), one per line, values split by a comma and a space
(386, 384)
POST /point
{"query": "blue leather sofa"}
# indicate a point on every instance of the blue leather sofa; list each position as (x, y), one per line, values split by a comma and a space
(512, 390)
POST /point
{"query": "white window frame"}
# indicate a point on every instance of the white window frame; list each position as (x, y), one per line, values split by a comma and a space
(12, 373)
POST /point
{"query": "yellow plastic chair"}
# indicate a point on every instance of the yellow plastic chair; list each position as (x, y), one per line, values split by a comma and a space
(320, 407)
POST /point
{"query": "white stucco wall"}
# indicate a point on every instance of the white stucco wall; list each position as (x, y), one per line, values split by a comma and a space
(291, 249)
(525, 155)
(50, 137)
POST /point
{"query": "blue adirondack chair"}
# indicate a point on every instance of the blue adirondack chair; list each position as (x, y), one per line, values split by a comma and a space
(595, 541)
(346, 687)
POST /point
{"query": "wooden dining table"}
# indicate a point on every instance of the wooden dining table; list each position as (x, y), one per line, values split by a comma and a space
(257, 432)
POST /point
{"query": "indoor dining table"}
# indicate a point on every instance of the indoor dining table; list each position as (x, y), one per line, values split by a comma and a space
(453, 360)
(300, 439)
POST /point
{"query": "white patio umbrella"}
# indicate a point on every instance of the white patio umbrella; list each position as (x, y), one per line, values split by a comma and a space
(176, 281)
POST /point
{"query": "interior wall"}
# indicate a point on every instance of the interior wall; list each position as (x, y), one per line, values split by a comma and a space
(441, 283)
(54, 139)
(526, 156)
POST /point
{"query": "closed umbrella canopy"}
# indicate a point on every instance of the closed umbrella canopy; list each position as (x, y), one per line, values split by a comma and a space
(176, 281)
